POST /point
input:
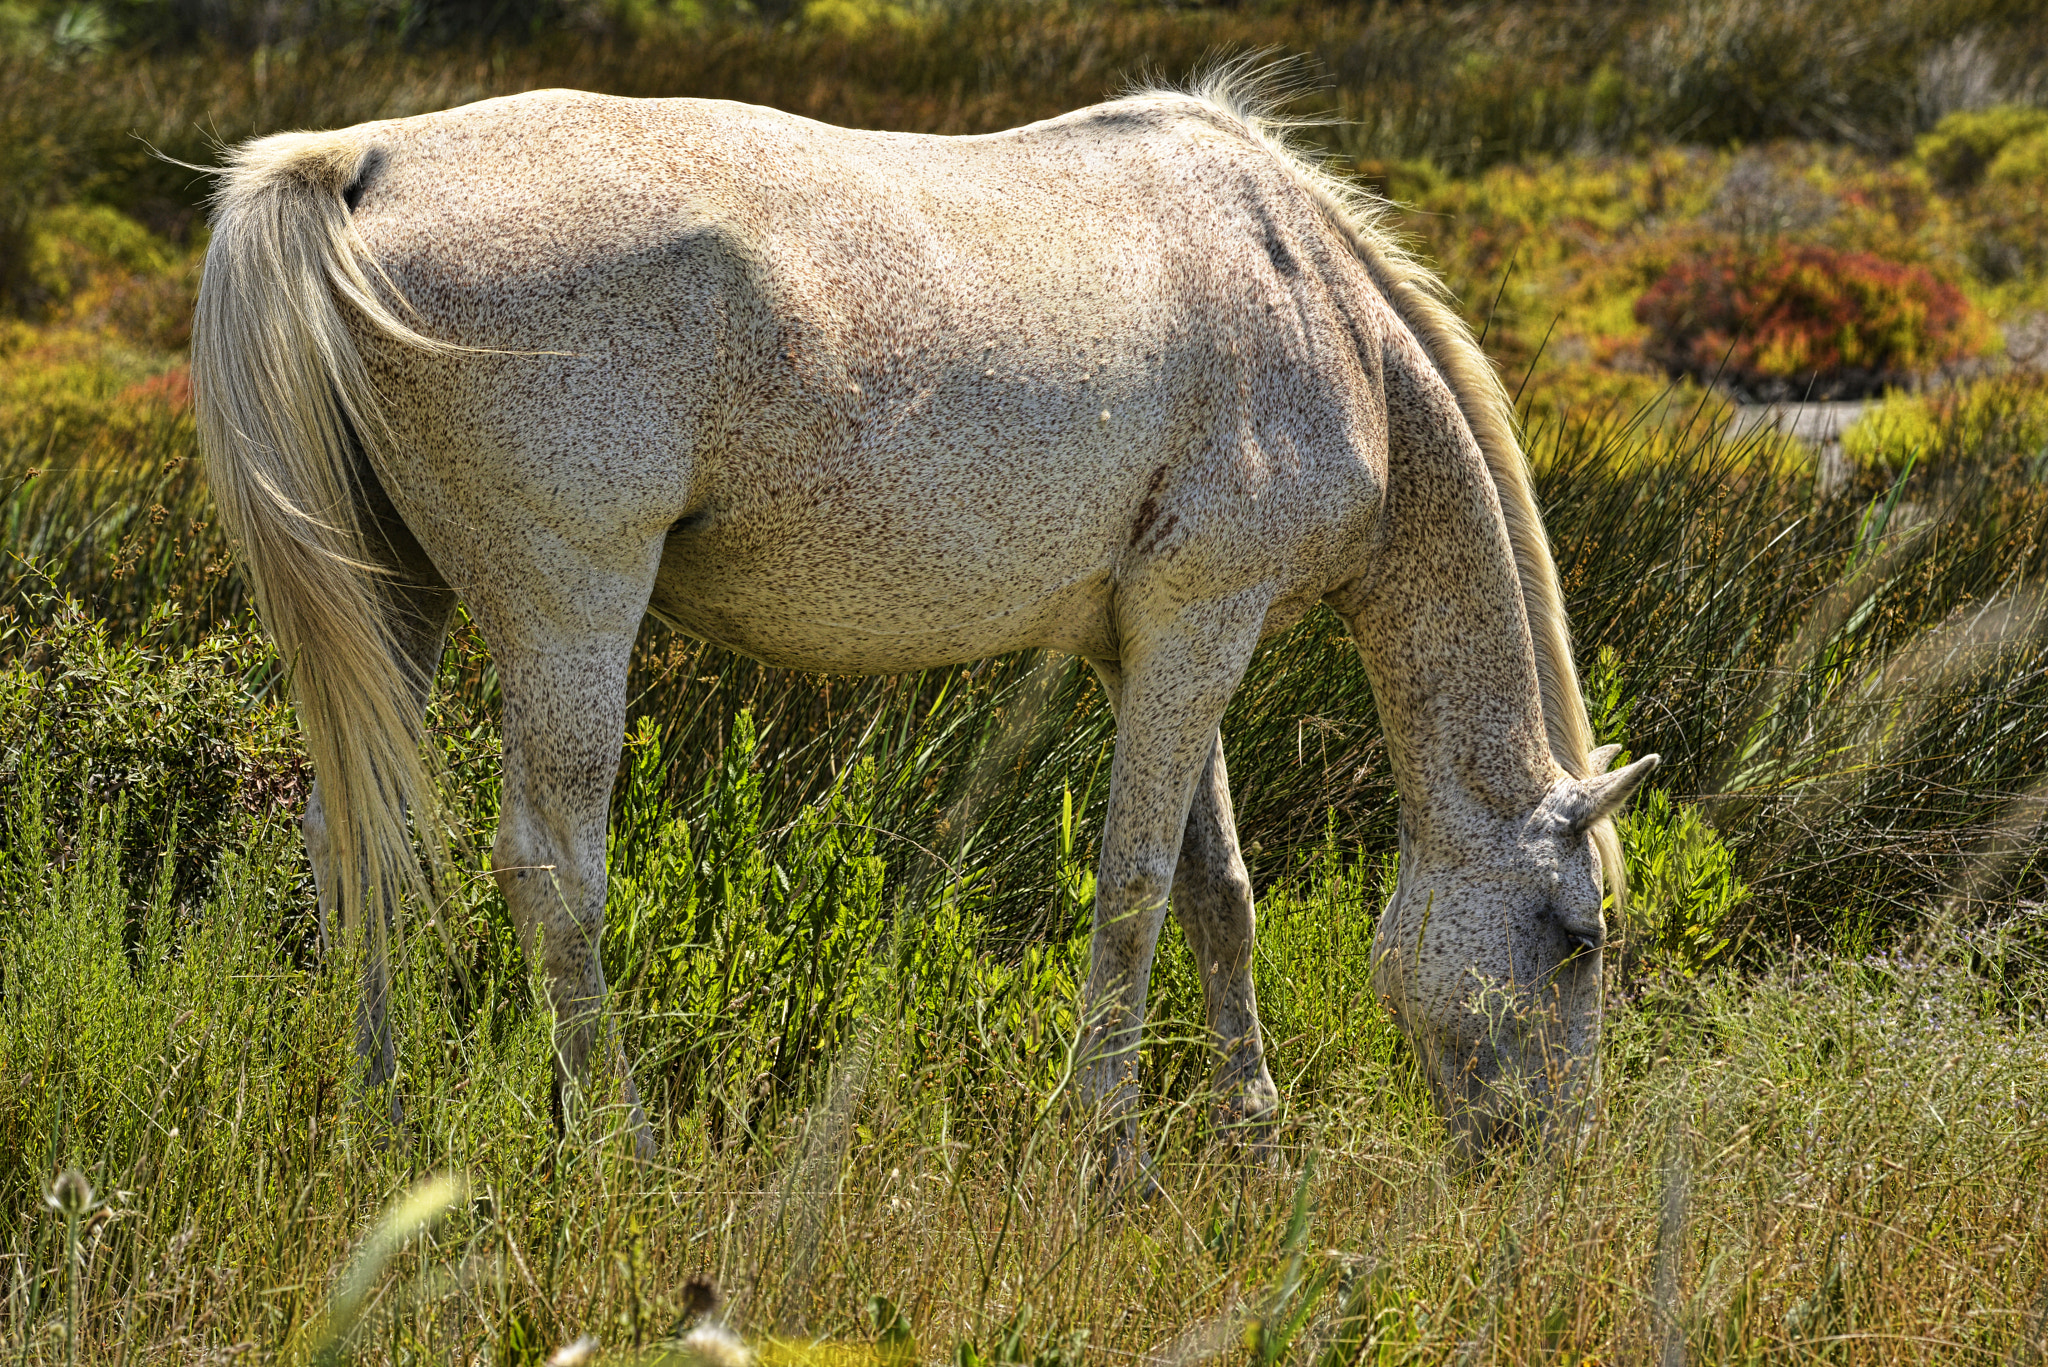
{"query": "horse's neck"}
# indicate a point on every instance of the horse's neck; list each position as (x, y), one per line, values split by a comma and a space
(1441, 623)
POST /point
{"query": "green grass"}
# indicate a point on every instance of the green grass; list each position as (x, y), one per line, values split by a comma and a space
(857, 1085)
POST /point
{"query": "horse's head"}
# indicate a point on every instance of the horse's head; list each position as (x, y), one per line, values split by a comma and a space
(1490, 954)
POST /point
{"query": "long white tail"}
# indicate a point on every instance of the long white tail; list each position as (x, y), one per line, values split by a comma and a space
(286, 412)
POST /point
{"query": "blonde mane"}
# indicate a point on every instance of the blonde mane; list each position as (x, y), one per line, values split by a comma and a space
(1247, 92)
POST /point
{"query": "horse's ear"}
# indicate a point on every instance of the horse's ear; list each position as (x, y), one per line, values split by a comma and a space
(1590, 800)
(1599, 758)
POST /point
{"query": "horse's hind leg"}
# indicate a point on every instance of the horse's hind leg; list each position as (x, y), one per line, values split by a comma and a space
(1212, 900)
(419, 613)
(565, 716)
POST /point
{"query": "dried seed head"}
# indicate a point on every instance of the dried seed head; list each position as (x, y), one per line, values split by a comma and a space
(70, 1194)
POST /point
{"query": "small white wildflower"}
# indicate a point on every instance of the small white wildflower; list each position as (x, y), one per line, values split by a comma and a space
(576, 1354)
(713, 1345)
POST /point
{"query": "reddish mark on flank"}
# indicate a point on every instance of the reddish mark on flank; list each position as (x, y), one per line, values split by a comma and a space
(1148, 511)
(1165, 529)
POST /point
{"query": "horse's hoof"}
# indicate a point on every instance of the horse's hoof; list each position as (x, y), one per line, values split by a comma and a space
(1247, 1122)
(1128, 1176)
(1254, 1143)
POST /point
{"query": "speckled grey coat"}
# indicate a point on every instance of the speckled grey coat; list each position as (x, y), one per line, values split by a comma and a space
(1135, 383)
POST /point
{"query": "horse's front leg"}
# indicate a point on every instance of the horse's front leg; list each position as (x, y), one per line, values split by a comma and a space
(1170, 687)
(565, 712)
(1212, 900)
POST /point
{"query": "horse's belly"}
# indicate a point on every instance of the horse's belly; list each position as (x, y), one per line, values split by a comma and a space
(872, 613)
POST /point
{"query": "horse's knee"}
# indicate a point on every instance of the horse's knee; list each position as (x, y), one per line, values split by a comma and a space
(1132, 897)
(520, 859)
(1214, 909)
(544, 884)
(514, 868)
(1128, 912)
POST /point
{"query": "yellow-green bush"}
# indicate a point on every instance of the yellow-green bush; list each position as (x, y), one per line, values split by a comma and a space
(80, 397)
(2023, 161)
(1898, 426)
(75, 242)
(1684, 891)
(1987, 422)
(95, 369)
(1992, 165)
(852, 18)
(1560, 242)
(1966, 144)
(92, 266)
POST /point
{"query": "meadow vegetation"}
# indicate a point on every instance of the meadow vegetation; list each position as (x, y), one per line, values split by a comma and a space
(848, 916)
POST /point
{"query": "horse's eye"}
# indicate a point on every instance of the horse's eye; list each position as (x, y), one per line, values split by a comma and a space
(1584, 939)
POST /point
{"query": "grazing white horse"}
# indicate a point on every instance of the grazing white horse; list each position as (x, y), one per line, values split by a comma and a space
(1137, 383)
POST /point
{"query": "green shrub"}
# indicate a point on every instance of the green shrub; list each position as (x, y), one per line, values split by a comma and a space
(1683, 890)
(747, 951)
(74, 242)
(852, 18)
(1984, 423)
(2007, 242)
(1899, 426)
(91, 266)
(2007, 232)
(2023, 161)
(190, 744)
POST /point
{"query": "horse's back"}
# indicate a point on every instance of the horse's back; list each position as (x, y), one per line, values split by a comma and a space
(832, 360)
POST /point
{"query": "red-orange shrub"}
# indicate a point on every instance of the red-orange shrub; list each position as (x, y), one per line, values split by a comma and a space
(1788, 320)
